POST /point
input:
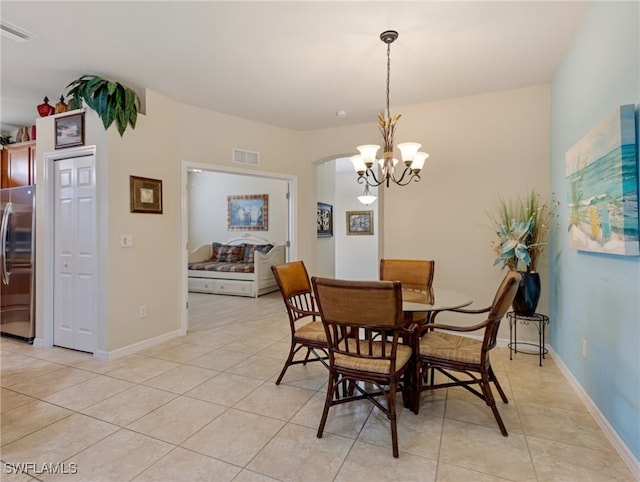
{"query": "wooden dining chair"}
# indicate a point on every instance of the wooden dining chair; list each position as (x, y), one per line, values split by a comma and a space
(367, 308)
(445, 351)
(414, 274)
(307, 330)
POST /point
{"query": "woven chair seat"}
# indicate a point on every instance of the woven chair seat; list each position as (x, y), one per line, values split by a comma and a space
(448, 346)
(312, 331)
(403, 355)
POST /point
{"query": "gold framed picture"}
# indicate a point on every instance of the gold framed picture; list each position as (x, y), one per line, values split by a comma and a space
(145, 194)
(359, 223)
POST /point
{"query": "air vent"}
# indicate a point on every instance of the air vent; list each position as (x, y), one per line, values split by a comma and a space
(246, 157)
(14, 33)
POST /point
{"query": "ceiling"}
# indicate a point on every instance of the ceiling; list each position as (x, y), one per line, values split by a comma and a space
(291, 64)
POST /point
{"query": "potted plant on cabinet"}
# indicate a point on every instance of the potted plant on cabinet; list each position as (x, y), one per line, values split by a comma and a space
(111, 100)
(522, 229)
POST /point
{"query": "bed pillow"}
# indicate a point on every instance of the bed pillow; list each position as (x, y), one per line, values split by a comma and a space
(215, 248)
(230, 254)
(250, 249)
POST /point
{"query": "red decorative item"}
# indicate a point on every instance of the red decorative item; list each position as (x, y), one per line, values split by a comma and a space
(46, 109)
(33, 133)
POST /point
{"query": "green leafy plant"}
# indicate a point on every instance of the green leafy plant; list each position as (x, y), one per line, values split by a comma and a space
(522, 229)
(5, 138)
(111, 100)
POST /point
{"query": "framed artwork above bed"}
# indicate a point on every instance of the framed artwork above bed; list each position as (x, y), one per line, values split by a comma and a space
(249, 212)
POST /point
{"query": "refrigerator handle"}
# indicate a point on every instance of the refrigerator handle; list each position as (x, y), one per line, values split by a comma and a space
(8, 211)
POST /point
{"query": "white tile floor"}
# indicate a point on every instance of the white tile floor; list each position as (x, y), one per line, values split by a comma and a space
(205, 407)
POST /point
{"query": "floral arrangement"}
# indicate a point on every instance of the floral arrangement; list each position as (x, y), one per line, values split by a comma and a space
(522, 226)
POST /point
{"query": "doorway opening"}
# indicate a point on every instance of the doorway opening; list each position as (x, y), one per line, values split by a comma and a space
(343, 254)
(289, 187)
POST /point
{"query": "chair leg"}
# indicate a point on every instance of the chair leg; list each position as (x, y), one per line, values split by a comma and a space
(494, 379)
(488, 397)
(327, 402)
(391, 415)
(417, 386)
(306, 358)
(287, 363)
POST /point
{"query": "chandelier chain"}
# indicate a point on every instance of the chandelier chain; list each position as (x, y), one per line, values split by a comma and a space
(388, 113)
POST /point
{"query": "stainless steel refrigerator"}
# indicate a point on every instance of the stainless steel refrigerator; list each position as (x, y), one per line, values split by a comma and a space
(17, 262)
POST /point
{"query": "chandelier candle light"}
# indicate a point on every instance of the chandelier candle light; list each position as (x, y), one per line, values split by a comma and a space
(413, 160)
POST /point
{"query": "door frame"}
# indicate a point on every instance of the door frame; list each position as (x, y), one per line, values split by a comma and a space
(186, 166)
(47, 226)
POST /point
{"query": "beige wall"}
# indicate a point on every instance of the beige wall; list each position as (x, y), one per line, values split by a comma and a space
(479, 146)
(149, 272)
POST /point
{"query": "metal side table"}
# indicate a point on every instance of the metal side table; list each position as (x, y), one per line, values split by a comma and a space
(540, 321)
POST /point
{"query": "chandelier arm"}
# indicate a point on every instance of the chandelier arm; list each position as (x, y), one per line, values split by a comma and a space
(369, 175)
(406, 172)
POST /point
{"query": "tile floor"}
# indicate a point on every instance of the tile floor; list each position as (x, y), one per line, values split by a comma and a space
(205, 407)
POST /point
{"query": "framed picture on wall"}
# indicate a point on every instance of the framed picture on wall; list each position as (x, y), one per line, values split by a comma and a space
(145, 195)
(359, 223)
(325, 220)
(69, 131)
(248, 212)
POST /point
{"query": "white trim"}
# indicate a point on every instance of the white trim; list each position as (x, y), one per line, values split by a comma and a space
(601, 420)
(136, 347)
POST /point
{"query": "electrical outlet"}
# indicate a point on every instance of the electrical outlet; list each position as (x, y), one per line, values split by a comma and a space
(584, 349)
(143, 311)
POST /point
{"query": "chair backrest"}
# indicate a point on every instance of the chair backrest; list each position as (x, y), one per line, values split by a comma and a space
(295, 288)
(501, 303)
(366, 307)
(415, 274)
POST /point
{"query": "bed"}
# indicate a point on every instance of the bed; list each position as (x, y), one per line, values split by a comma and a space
(240, 266)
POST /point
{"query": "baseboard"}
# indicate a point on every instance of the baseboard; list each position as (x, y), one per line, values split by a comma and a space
(609, 432)
(136, 347)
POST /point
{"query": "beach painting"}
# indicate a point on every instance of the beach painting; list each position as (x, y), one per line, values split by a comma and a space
(602, 187)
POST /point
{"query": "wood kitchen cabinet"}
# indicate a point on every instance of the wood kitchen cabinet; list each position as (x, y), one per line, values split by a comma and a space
(19, 164)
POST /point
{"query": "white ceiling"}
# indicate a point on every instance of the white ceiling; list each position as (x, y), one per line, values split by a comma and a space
(292, 64)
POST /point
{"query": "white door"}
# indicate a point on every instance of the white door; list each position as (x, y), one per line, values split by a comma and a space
(75, 263)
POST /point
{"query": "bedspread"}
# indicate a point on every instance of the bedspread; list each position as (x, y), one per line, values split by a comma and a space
(222, 266)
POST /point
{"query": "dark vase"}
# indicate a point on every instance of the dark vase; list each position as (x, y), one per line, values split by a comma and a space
(528, 294)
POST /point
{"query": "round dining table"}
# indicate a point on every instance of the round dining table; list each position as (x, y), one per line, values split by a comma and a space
(432, 300)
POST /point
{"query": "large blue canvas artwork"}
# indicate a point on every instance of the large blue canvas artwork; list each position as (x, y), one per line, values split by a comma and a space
(602, 187)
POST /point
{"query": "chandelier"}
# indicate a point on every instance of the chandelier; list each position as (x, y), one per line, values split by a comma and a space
(366, 197)
(390, 168)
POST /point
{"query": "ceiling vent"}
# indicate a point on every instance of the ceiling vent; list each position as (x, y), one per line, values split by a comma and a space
(246, 157)
(14, 33)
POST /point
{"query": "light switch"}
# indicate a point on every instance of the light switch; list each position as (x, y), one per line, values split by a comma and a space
(126, 240)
